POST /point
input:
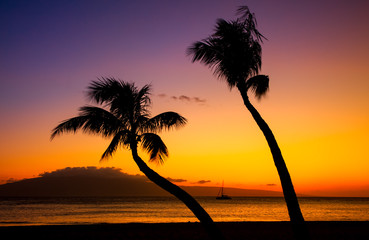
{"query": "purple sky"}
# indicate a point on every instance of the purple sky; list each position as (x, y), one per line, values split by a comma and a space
(52, 49)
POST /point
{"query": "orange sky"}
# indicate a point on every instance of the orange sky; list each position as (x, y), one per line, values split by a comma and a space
(317, 107)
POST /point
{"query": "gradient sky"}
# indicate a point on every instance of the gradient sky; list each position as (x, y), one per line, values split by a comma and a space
(317, 58)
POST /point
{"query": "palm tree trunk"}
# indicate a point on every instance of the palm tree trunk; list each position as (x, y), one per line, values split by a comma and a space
(298, 223)
(208, 223)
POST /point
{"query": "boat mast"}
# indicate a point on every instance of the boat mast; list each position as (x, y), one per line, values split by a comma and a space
(222, 188)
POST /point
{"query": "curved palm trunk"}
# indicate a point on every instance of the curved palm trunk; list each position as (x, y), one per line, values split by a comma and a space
(208, 223)
(298, 223)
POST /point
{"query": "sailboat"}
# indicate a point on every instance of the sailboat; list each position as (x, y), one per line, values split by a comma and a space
(221, 195)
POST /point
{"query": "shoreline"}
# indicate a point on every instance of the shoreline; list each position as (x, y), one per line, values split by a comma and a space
(319, 230)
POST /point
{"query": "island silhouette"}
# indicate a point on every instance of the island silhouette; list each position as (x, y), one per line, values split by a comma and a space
(107, 182)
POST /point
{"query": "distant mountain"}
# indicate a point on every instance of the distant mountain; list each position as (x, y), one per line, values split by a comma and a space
(91, 181)
(233, 192)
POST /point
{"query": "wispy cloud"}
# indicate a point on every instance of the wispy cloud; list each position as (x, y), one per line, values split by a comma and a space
(271, 185)
(202, 181)
(176, 180)
(198, 100)
(183, 98)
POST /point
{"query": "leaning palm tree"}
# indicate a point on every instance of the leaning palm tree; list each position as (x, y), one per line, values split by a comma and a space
(233, 52)
(124, 116)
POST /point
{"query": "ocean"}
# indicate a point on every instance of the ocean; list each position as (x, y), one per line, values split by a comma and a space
(87, 210)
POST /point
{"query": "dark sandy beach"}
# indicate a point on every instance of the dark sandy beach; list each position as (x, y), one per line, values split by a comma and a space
(163, 231)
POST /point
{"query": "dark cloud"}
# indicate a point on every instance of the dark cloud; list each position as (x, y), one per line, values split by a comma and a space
(271, 185)
(203, 181)
(198, 100)
(184, 98)
(176, 180)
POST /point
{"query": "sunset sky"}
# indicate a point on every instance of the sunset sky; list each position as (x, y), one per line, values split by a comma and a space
(316, 55)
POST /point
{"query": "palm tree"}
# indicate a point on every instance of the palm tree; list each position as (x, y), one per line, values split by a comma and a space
(125, 117)
(233, 52)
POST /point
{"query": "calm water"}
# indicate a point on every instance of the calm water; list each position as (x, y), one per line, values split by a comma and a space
(40, 211)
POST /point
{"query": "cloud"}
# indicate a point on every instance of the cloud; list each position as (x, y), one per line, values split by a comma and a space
(176, 180)
(184, 98)
(271, 185)
(198, 100)
(203, 181)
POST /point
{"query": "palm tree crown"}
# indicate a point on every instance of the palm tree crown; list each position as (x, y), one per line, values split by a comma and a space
(233, 51)
(124, 117)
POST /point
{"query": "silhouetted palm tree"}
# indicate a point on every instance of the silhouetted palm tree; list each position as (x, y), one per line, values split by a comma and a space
(233, 52)
(125, 117)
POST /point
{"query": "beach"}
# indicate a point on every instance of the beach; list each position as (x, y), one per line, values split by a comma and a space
(154, 231)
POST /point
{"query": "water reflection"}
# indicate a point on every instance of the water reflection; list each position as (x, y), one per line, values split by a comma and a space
(37, 211)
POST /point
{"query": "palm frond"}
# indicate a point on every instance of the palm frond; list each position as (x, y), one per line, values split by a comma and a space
(120, 139)
(155, 146)
(69, 125)
(142, 124)
(250, 23)
(231, 52)
(93, 120)
(226, 30)
(142, 101)
(104, 90)
(205, 51)
(258, 84)
(165, 121)
(143, 95)
(123, 99)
